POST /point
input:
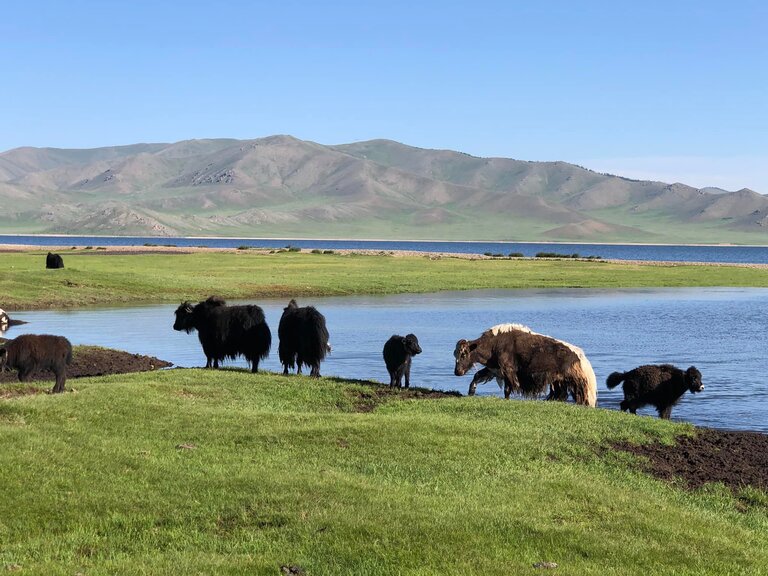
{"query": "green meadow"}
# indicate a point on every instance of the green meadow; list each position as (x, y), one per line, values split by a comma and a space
(90, 278)
(225, 472)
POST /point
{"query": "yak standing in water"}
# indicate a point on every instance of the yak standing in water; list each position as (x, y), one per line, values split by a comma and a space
(226, 331)
(54, 261)
(303, 338)
(528, 363)
(31, 353)
(398, 351)
(661, 385)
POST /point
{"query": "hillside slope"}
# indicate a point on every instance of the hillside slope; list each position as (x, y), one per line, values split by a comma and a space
(282, 186)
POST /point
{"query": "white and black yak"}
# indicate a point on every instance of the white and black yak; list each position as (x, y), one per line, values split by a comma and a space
(226, 332)
(528, 363)
(303, 338)
(54, 261)
(6, 321)
(660, 385)
(31, 353)
(398, 352)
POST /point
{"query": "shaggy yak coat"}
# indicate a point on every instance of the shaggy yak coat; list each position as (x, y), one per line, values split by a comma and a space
(226, 332)
(54, 261)
(398, 351)
(529, 364)
(303, 338)
(661, 385)
(32, 353)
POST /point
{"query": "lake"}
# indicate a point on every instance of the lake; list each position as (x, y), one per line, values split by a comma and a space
(719, 330)
(664, 253)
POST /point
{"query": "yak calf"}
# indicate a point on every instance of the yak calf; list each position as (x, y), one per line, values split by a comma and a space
(30, 353)
(661, 385)
(398, 351)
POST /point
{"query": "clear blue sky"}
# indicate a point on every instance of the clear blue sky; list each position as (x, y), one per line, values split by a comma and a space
(673, 90)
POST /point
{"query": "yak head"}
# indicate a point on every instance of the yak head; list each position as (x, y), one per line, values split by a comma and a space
(184, 317)
(411, 345)
(463, 355)
(693, 379)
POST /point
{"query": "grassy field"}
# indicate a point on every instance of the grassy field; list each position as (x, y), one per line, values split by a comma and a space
(91, 278)
(225, 472)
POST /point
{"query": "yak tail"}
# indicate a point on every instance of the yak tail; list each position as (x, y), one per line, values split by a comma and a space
(585, 389)
(615, 379)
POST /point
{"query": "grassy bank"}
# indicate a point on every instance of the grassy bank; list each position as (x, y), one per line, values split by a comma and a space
(90, 278)
(200, 472)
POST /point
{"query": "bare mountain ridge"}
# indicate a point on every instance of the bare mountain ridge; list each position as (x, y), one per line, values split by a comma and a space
(280, 185)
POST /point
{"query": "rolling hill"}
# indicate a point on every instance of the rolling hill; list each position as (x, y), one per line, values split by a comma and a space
(280, 186)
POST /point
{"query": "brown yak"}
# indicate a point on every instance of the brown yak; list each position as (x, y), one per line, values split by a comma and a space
(528, 363)
(30, 353)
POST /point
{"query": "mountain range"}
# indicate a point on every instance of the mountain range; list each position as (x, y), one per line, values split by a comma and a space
(281, 186)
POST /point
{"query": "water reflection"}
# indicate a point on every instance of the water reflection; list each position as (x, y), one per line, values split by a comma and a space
(717, 330)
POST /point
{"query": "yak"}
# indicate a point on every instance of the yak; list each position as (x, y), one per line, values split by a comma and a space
(661, 385)
(54, 261)
(398, 351)
(303, 338)
(31, 353)
(6, 321)
(528, 363)
(226, 332)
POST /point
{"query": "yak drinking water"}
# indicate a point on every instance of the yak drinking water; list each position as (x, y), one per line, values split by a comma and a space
(398, 351)
(303, 338)
(31, 353)
(529, 364)
(661, 385)
(226, 331)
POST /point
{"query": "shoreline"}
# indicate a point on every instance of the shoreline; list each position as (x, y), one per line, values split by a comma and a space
(160, 249)
(408, 240)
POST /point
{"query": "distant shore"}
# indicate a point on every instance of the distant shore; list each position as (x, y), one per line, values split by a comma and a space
(412, 240)
(160, 249)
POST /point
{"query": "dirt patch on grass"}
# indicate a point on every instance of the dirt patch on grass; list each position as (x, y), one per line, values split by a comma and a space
(95, 361)
(377, 394)
(736, 459)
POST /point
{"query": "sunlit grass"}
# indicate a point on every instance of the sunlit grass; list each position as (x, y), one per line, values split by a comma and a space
(225, 472)
(90, 278)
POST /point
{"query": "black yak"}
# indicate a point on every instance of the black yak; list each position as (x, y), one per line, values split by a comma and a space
(226, 331)
(30, 353)
(54, 261)
(661, 385)
(528, 363)
(303, 338)
(398, 351)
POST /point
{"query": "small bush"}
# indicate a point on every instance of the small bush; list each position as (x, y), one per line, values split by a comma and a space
(516, 255)
(316, 251)
(328, 252)
(243, 247)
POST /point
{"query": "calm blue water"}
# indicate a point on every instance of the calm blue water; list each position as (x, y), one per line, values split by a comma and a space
(721, 331)
(665, 253)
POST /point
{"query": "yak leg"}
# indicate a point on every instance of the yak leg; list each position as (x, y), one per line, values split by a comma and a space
(255, 365)
(629, 405)
(407, 374)
(61, 377)
(665, 413)
(25, 374)
(315, 372)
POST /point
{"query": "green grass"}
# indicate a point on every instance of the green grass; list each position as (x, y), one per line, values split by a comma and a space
(90, 278)
(283, 471)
